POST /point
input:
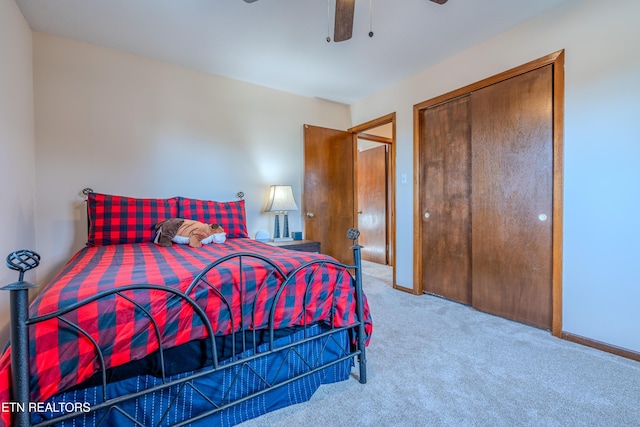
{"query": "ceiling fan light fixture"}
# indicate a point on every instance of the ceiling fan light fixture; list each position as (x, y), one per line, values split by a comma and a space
(343, 27)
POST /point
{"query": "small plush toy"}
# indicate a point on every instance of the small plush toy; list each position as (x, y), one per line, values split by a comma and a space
(187, 231)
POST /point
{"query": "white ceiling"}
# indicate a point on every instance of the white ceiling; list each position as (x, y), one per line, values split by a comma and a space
(281, 43)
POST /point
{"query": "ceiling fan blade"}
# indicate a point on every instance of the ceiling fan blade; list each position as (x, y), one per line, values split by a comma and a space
(344, 20)
(435, 1)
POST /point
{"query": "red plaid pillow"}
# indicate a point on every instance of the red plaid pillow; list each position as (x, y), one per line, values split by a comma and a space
(115, 219)
(229, 215)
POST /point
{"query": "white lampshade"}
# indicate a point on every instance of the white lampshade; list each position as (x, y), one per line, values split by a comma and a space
(281, 199)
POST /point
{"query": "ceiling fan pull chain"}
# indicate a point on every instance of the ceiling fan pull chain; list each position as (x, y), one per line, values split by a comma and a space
(328, 21)
(370, 18)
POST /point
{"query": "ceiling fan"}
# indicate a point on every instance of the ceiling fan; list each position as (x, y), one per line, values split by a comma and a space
(343, 27)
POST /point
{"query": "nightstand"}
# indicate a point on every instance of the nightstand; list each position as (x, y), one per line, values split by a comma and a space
(298, 245)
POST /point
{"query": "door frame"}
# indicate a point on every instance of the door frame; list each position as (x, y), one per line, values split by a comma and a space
(555, 59)
(361, 131)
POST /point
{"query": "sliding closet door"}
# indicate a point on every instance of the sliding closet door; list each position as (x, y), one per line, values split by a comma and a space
(445, 156)
(512, 181)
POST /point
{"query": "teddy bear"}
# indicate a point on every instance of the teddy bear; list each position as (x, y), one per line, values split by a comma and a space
(187, 231)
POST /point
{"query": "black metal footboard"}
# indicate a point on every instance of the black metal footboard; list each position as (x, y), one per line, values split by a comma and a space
(246, 347)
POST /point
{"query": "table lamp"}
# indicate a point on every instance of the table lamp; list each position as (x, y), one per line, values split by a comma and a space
(281, 201)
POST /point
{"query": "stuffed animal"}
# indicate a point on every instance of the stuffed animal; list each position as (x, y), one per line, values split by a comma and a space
(187, 231)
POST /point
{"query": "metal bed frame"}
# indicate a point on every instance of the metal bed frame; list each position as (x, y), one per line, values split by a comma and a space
(25, 260)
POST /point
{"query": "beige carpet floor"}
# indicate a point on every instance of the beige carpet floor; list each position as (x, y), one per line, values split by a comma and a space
(432, 362)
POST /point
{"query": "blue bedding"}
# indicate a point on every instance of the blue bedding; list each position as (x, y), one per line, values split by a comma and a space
(214, 390)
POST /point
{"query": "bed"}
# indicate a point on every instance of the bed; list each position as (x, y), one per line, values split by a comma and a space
(131, 333)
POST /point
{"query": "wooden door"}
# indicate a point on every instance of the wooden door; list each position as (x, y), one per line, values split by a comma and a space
(372, 203)
(512, 181)
(445, 157)
(328, 197)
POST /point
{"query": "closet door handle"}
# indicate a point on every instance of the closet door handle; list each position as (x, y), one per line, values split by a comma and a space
(310, 214)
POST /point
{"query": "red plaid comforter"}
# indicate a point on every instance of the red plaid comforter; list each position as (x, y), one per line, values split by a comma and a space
(59, 359)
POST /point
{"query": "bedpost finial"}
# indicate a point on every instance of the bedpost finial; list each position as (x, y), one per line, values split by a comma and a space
(353, 234)
(22, 261)
(85, 192)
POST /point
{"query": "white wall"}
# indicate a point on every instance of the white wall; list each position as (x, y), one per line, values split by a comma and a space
(17, 173)
(601, 282)
(123, 124)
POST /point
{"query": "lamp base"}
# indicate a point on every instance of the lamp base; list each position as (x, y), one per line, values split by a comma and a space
(282, 239)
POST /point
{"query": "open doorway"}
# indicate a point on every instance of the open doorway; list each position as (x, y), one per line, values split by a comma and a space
(374, 187)
(372, 164)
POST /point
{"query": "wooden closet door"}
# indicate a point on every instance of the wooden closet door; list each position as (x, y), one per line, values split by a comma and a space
(445, 156)
(512, 179)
